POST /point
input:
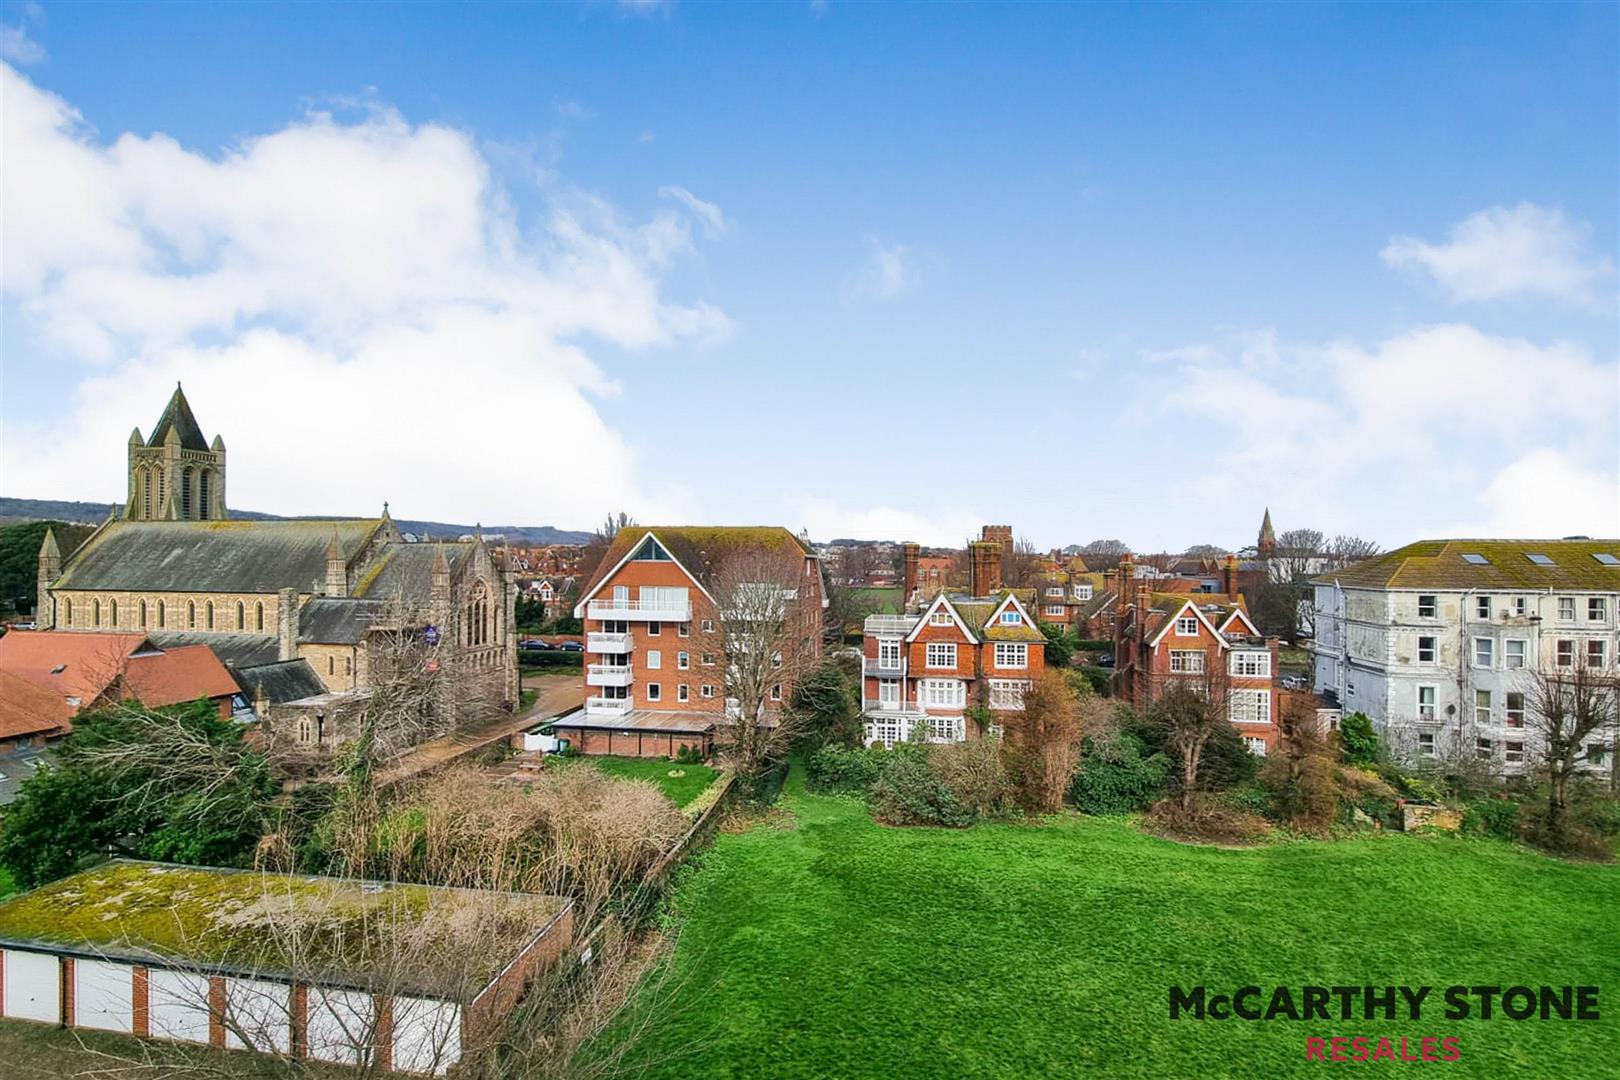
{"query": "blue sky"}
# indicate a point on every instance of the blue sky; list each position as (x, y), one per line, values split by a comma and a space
(1101, 270)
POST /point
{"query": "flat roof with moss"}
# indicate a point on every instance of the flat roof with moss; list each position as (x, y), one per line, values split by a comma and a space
(421, 938)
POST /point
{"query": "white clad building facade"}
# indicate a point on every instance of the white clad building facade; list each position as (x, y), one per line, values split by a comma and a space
(1438, 642)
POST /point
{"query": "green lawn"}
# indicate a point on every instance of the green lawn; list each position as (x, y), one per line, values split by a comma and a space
(837, 947)
(680, 789)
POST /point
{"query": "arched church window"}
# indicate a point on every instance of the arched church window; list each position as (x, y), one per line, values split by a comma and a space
(258, 616)
(185, 493)
(241, 615)
(202, 494)
(146, 493)
(115, 614)
(191, 615)
(143, 614)
(67, 611)
(161, 612)
(163, 486)
(95, 612)
(209, 614)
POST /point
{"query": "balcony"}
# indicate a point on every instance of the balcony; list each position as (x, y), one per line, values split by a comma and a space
(600, 641)
(601, 706)
(894, 625)
(641, 610)
(607, 675)
(881, 668)
(878, 705)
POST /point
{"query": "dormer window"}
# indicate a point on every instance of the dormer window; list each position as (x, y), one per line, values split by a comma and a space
(1010, 618)
(940, 617)
(1187, 626)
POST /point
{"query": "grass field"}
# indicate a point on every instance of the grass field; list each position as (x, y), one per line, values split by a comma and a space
(831, 946)
(37, 1052)
(680, 789)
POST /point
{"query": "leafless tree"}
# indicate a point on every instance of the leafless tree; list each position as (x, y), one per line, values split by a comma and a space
(1191, 710)
(591, 557)
(1203, 551)
(1566, 706)
(1343, 550)
(1299, 555)
(1042, 742)
(1020, 567)
(770, 639)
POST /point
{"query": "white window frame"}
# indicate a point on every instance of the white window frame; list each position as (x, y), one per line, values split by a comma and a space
(1484, 652)
(683, 693)
(1513, 717)
(1186, 661)
(1186, 626)
(1512, 660)
(1012, 655)
(1511, 755)
(683, 661)
(1082, 592)
(941, 617)
(1008, 693)
(940, 655)
(1566, 609)
(1597, 609)
(1599, 648)
(706, 691)
(1482, 706)
(1432, 649)
(1250, 707)
(655, 692)
(889, 653)
(946, 729)
(1255, 745)
(888, 693)
(1482, 607)
(1055, 591)
(655, 659)
(942, 693)
(1559, 652)
(1425, 744)
(1484, 749)
(1250, 663)
(1011, 618)
(1055, 609)
(1426, 709)
(1433, 605)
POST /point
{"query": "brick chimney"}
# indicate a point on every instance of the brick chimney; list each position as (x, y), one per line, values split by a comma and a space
(986, 563)
(1229, 576)
(1144, 601)
(1127, 574)
(908, 577)
(1001, 534)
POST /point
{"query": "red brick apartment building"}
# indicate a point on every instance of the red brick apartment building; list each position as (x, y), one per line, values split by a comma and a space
(981, 648)
(654, 641)
(1160, 636)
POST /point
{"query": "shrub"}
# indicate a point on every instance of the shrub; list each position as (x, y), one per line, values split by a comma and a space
(1248, 799)
(975, 775)
(836, 768)
(1357, 741)
(909, 792)
(1099, 677)
(1118, 777)
(1208, 820)
(1094, 645)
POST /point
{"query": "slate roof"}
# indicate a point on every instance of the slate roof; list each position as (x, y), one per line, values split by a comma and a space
(327, 620)
(702, 549)
(287, 680)
(405, 572)
(234, 650)
(212, 556)
(1439, 564)
(177, 415)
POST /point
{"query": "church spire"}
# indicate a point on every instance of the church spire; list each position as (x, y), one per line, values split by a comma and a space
(1266, 546)
(337, 571)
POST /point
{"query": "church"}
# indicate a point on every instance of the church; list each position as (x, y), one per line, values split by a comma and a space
(310, 614)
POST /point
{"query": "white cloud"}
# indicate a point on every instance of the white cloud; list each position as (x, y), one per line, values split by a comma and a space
(355, 307)
(16, 47)
(1544, 493)
(828, 519)
(1502, 252)
(714, 221)
(888, 272)
(1393, 438)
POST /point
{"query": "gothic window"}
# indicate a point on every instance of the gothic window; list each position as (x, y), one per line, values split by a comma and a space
(185, 494)
(95, 612)
(304, 729)
(160, 614)
(478, 616)
(163, 485)
(143, 614)
(258, 616)
(191, 615)
(210, 614)
(67, 611)
(146, 493)
(202, 494)
(241, 615)
(115, 614)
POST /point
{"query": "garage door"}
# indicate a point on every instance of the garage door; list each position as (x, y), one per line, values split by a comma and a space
(427, 1035)
(340, 1026)
(178, 1005)
(33, 988)
(258, 1014)
(103, 995)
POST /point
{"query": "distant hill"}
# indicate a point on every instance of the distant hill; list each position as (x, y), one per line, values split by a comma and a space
(92, 513)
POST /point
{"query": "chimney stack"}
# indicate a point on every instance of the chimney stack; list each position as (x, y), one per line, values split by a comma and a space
(1229, 576)
(1001, 534)
(908, 580)
(986, 565)
(1144, 601)
(1127, 571)
(287, 624)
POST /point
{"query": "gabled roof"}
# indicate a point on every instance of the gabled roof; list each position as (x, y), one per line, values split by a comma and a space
(281, 682)
(212, 556)
(81, 667)
(962, 620)
(993, 629)
(176, 676)
(234, 650)
(177, 416)
(1167, 608)
(331, 620)
(1441, 564)
(27, 709)
(699, 550)
(404, 572)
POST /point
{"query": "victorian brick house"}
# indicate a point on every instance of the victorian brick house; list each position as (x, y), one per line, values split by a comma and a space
(656, 637)
(981, 648)
(1205, 638)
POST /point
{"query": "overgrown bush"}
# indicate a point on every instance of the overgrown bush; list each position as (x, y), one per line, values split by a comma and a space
(1117, 777)
(975, 775)
(1358, 743)
(1100, 678)
(836, 768)
(1498, 818)
(1211, 819)
(1370, 793)
(909, 792)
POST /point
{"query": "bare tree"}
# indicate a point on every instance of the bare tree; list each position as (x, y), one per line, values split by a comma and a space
(1042, 742)
(591, 557)
(1020, 567)
(770, 639)
(1565, 706)
(1299, 555)
(1343, 550)
(1105, 552)
(1191, 710)
(1203, 551)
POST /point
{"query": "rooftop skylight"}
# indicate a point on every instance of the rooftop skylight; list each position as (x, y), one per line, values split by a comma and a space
(1476, 558)
(1538, 558)
(1605, 558)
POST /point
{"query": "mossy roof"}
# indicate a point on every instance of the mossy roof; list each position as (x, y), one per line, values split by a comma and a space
(1439, 564)
(977, 612)
(212, 556)
(177, 416)
(331, 930)
(702, 549)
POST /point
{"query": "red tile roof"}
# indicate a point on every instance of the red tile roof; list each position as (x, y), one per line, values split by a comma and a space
(28, 709)
(82, 667)
(178, 675)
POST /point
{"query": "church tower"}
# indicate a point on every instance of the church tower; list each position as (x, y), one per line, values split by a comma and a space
(1266, 546)
(176, 475)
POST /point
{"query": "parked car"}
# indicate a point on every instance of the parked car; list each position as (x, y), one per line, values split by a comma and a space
(571, 646)
(533, 644)
(1105, 660)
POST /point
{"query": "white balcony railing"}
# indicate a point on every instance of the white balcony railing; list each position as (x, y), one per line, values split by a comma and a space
(882, 705)
(890, 624)
(881, 668)
(602, 706)
(607, 675)
(600, 641)
(641, 610)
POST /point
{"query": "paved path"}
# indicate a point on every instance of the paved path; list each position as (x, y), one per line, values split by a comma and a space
(557, 696)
